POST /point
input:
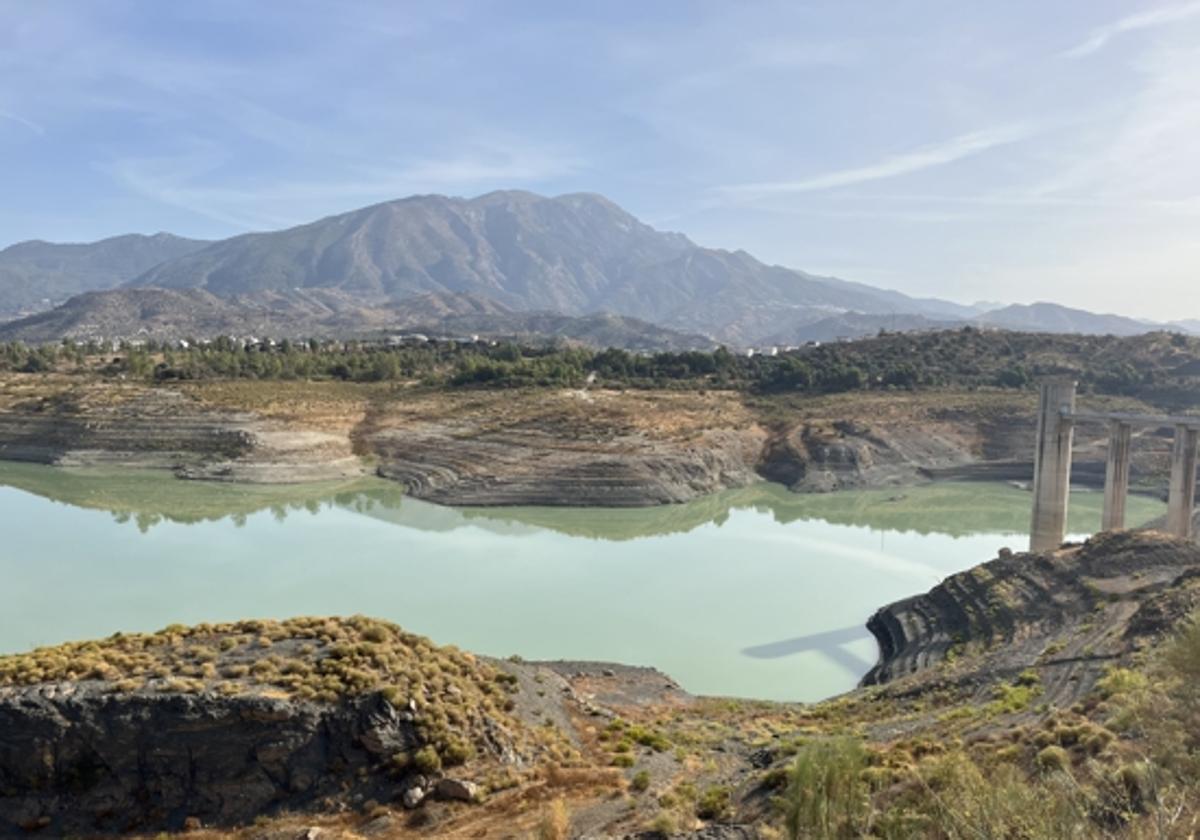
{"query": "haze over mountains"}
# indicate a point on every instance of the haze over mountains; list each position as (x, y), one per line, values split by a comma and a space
(469, 265)
(35, 275)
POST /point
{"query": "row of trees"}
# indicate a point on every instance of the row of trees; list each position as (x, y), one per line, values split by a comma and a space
(964, 358)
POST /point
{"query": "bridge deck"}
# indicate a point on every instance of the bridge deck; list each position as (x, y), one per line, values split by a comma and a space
(1192, 422)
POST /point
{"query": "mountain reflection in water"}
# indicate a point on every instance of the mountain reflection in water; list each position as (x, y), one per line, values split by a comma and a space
(955, 509)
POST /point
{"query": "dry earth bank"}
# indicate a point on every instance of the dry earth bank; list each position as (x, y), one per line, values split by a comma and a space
(537, 446)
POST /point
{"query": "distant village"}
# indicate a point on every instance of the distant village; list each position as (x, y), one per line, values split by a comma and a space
(252, 343)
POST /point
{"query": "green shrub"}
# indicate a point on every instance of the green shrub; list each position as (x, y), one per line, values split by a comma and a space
(1053, 758)
(956, 800)
(716, 803)
(826, 796)
(426, 760)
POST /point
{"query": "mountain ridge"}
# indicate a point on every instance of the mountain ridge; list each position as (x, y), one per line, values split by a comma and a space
(36, 274)
(575, 255)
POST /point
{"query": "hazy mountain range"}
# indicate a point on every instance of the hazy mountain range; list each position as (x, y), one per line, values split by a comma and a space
(491, 260)
(36, 275)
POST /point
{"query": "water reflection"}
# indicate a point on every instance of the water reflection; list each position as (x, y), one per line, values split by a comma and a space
(955, 509)
(755, 592)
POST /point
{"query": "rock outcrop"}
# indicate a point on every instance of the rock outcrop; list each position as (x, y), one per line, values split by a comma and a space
(162, 428)
(221, 724)
(78, 758)
(1071, 613)
(847, 454)
(537, 467)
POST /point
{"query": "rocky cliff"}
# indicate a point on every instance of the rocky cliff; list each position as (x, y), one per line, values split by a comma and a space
(221, 724)
(78, 758)
(1069, 613)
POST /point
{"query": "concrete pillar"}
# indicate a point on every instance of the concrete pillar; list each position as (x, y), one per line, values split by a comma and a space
(1116, 476)
(1182, 499)
(1052, 465)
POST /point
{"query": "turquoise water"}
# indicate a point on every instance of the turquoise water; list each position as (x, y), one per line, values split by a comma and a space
(755, 592)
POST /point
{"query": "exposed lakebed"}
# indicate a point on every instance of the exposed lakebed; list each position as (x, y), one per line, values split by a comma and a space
(756, 592)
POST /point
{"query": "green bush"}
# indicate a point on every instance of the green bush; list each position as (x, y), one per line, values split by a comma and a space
(826, 796)
(716, 803)
(426, 760)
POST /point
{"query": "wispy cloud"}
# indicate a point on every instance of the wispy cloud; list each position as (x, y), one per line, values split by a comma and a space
(927, 157)
(19, 120)
(194, 182)
(1142, 20)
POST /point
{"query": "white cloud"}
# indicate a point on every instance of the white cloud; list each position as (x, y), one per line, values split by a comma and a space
(193, 182)
(1142, 20)
(938, 154)
(17, 118)
(1142, 152)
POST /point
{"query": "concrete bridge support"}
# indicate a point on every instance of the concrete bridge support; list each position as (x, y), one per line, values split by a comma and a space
(1116, 476)
(1052, 464)
(1182, 499)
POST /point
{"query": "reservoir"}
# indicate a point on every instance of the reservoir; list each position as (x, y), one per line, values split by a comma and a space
(756, 592)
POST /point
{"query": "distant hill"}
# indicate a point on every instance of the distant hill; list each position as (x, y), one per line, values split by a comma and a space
(1051, 317)
(152, 313)
(37, 275)
(854, 325)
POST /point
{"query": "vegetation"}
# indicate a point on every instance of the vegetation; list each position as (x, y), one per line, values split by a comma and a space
(1070, 777)
(556, 822)
(1159, 367)
(324, 660)
(826, 795)
(1123, 762)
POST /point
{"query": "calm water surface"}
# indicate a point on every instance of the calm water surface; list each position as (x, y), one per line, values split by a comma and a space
(756, 592)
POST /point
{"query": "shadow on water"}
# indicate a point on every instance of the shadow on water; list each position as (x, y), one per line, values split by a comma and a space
(956, 509)
(831, 644)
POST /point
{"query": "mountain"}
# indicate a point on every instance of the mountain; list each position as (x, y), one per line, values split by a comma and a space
(1190, 325)
(152, 313)
(574, 254)
(36, 275)
(1051, 317)
(489, 260)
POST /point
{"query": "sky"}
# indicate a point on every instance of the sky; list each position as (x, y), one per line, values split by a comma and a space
(1012, 152)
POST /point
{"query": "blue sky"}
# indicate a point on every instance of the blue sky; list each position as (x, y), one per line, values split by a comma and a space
(1013, 151)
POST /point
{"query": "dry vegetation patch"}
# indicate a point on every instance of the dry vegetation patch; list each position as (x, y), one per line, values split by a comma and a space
(453, 696)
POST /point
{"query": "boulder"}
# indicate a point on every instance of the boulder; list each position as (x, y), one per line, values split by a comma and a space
(456, 790)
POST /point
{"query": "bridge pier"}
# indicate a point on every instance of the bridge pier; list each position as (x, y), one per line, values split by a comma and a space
(1057, 418)
(1052, 464)
(1116, 476)
(1182, 498)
